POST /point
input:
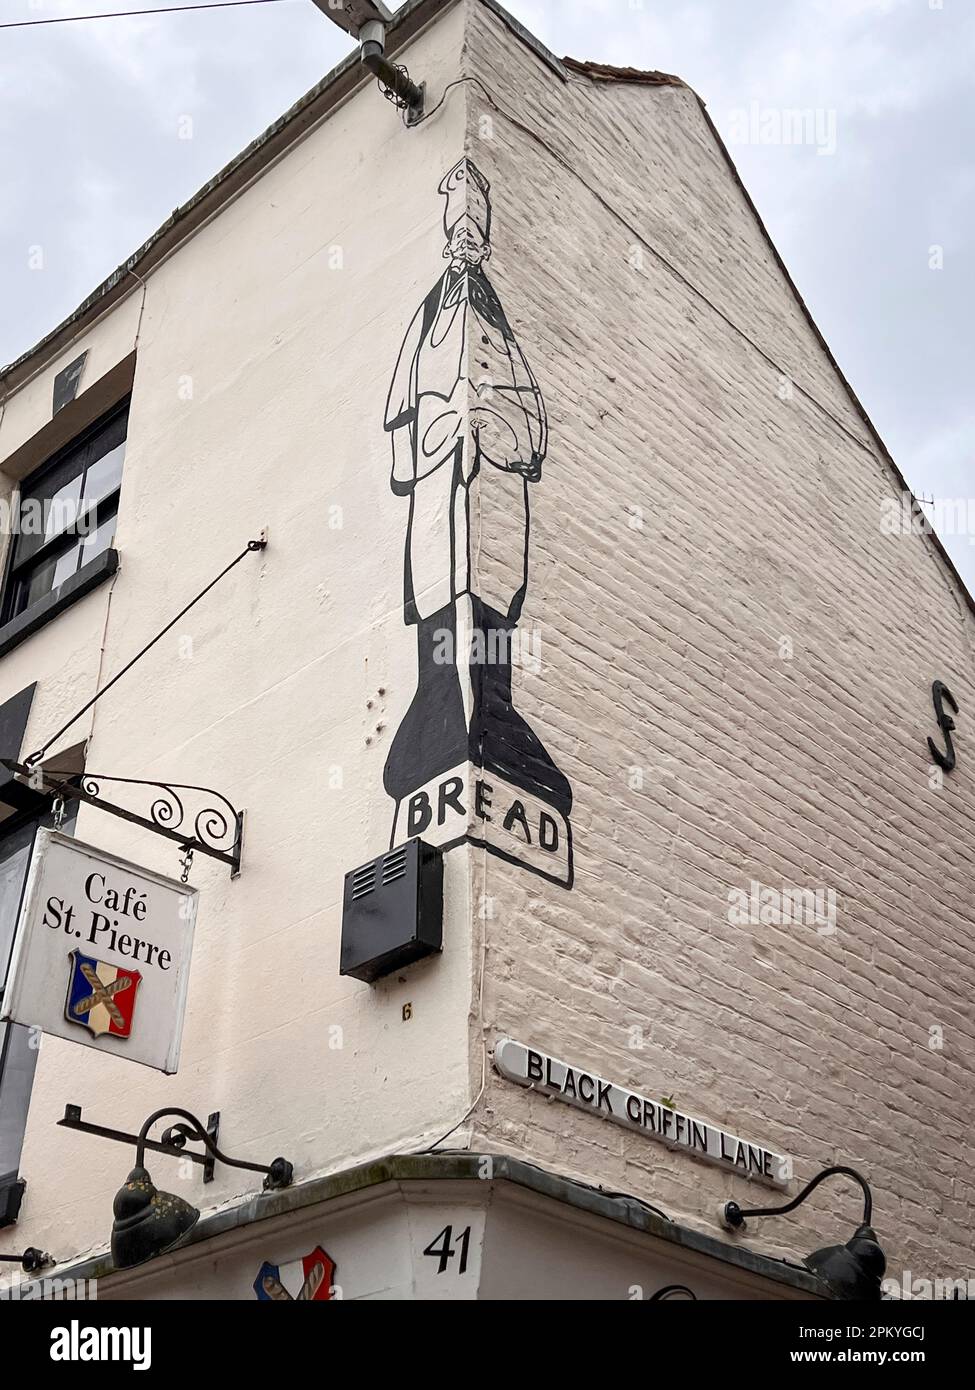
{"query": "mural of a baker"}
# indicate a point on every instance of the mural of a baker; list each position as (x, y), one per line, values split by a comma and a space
(469, 433)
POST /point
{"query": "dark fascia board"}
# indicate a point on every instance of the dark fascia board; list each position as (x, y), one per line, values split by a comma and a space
(71, 420)
(468, 1167)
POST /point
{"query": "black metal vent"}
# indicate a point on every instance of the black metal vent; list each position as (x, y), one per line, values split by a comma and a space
(364, 879)
(392, 911)
(394, 865)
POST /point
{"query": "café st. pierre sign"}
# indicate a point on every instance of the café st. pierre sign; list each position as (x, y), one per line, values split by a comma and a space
(102, 953)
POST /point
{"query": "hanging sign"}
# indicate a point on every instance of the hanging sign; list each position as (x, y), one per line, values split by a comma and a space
(530, 1067)
(102, 953)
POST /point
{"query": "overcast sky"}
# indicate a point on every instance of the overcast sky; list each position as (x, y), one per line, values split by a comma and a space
(92, 114)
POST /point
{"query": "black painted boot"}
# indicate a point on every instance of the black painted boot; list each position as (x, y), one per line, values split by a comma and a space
(501, 741)
(432, 738)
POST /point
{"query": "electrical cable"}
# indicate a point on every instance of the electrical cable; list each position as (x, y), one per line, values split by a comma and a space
(131, 14)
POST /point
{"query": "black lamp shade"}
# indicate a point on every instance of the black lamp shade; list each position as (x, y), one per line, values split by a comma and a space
(853, 1270)
(147, 1222)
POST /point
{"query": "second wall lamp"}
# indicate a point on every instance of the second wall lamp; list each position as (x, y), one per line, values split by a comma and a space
(853, 1270)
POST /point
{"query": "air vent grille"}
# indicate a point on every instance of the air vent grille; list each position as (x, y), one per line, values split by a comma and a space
(394, 865)
(364, 879)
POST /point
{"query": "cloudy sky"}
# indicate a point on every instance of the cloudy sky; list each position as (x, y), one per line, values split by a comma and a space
(874, 214)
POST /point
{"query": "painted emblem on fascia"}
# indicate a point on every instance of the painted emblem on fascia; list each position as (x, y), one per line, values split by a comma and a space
(308, 1280)
(101, 997)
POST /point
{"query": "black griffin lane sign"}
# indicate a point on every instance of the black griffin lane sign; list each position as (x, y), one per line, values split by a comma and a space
(528, 1066)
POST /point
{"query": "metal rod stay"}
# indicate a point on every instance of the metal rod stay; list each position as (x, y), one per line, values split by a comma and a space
(36, 756)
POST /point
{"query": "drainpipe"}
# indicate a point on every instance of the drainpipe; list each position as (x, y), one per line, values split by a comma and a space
(372, 49)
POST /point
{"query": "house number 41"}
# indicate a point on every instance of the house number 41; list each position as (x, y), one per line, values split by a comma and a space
(442, 1248)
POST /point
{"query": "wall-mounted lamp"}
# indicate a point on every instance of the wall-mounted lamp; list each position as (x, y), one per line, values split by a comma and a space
(30, 1261)
(366, 21)
(149, 1222)
(853, 1270)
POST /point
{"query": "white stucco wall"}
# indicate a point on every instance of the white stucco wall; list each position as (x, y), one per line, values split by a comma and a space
(267, 344)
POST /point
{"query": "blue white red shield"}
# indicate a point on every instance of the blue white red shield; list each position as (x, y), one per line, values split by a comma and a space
(101, 997)
(308, 1280)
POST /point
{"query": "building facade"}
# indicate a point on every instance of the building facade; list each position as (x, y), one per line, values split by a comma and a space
(581, 563)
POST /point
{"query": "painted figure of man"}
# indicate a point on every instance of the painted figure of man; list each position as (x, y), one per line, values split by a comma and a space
(468, 426)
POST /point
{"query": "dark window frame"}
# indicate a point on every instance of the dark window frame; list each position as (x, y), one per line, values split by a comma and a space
(24, 559)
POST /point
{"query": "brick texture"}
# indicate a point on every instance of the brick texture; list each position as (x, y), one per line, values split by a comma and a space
(690, 521)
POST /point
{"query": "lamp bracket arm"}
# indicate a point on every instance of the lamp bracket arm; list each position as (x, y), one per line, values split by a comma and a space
(276, 1174)
(836, 1171)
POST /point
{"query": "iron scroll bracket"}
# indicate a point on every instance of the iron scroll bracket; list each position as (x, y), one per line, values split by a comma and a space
(172, 1142)
(217, 828)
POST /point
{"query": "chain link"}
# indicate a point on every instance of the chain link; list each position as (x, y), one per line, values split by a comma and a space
(186, 861)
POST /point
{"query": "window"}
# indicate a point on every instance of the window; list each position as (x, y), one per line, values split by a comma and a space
(18, 1054)
(67, 516)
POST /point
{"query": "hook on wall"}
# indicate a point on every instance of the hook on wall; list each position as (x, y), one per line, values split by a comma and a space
(940, 695)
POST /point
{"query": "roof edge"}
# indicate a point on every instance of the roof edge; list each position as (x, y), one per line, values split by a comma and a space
(858, 407)
(463, 1166)
(606, 72)
(317, 103)
(337, 84)
(527, 37)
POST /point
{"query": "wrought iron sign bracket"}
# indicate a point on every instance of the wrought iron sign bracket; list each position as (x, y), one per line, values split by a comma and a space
(218, 827)
(172, 1142)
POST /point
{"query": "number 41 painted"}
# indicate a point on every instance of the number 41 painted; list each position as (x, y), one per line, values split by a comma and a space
(442, 1248)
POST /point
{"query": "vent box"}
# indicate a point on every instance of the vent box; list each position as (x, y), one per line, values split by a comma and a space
(392, 911)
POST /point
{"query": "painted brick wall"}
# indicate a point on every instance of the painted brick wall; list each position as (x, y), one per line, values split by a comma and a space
(690, 527)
